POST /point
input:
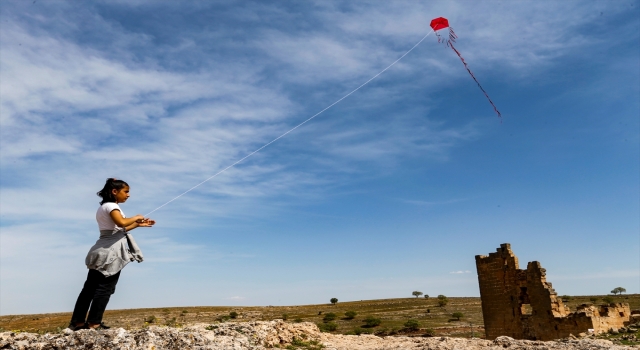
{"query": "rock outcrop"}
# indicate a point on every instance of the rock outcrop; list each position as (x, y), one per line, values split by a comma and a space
(265, 335)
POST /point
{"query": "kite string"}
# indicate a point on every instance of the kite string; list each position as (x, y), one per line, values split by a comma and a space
(294, 128)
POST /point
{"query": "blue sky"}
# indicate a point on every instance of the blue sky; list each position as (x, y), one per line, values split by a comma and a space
(394, 189)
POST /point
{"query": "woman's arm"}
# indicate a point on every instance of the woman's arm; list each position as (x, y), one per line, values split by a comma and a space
(116, 216)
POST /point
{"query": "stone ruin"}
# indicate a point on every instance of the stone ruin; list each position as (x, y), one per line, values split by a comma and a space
(522, 305)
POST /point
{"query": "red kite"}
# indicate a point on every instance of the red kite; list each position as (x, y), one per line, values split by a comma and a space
(441, 23)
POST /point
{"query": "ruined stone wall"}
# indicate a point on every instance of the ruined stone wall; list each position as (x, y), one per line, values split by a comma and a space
(499, 291)
(521, 303)
(605, 317)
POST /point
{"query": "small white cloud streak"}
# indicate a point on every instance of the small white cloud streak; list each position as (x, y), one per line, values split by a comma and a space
(459, 272)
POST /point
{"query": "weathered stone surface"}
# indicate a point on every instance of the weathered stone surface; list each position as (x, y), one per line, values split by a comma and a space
(521, 303)
(266, 335)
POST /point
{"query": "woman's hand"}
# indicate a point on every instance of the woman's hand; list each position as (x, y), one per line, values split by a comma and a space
(145, 222)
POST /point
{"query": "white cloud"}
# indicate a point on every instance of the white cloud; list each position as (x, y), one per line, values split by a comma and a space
(460, 272)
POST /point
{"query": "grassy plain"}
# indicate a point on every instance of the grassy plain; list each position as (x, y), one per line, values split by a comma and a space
(393, 314)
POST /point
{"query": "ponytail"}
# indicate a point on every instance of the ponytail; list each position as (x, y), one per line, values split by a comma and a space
(107, 191)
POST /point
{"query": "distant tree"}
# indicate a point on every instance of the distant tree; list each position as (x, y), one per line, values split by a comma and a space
(618, 290)
(442, 300)
(285, 317)
(458, 315)
(426, 296)
(350, 315)
(565, 298)
(329, 317)
(417, 293)
(608, 300)
(372, 321)
(233, 314)
(334, 301)
(412, 325)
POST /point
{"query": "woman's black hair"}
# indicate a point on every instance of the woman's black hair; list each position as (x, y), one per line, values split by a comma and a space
(107, 191)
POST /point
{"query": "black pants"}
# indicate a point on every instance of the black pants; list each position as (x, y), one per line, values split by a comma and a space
(96, 292)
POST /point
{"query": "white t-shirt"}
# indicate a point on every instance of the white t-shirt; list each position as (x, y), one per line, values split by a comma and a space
(103, 216)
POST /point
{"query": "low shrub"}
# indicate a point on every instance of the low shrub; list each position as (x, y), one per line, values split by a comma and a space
(223, 318)
(151, 319)
(301, 344)
(171, 322)
(329, 317)
(233, 314)
(327, 327)
(429, 332)
(358, 331)
(372, 321)
(412, 325)
(350, 315)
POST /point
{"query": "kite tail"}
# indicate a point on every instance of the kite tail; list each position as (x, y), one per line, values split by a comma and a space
(439, 37)
(452, 36)
(450, 43)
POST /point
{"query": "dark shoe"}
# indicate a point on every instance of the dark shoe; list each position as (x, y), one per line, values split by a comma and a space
(100, 326)
(74, 327)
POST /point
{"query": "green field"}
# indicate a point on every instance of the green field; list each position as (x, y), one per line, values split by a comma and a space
(392, 313)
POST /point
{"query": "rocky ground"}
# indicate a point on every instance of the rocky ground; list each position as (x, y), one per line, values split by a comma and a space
(268, 334)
